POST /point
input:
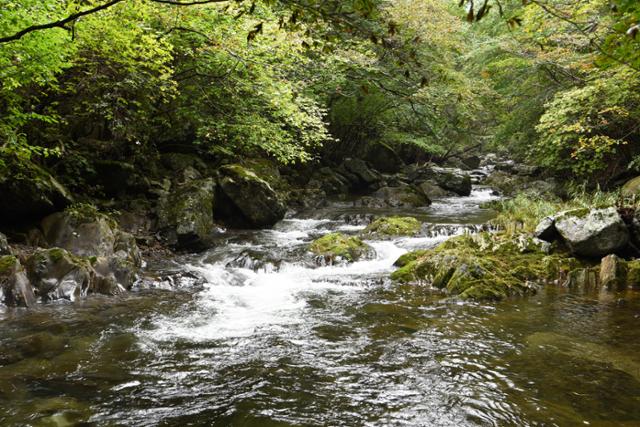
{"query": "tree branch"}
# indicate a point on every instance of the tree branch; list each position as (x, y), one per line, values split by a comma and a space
(57, 24)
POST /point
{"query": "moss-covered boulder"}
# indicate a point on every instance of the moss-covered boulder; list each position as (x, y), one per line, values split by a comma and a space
(485, 266)
(57, 274)
(28, 192)
(336, 247)
(393, 226)
(87, 233)
(15, 289)
(185, 213)
(247, 200)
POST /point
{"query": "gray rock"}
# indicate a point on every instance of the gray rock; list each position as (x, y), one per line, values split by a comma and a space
(185, 214)
(431, 189)
(450, 179)
(546, 230)
(56, 274)
(253, 197)
(366, 177)
(94, 235)
(15, 289)
(593, 233)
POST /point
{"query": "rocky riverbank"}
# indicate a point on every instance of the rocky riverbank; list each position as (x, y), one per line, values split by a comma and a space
(62, 249)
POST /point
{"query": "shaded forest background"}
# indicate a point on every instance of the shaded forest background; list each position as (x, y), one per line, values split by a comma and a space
(551, 82)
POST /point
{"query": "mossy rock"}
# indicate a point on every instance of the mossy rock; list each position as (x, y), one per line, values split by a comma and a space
(409, 257)
(485, 266)
(335, 247)
(393, 226)
(246, 199)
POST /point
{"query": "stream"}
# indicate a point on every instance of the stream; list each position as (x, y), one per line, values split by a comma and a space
(256, 334)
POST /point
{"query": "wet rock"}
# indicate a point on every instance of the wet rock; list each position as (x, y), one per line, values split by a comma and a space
(56, 274)
(5, 249)
(337, 247)
(307, 198)
(15, 289)
(392, 226)
(593, 233)
(484, 266)
(582, 279)
(546, 230)
(185, 214)
(253, 198)
(405, 196)
(29, 192)
(84, 232)
(613, 273)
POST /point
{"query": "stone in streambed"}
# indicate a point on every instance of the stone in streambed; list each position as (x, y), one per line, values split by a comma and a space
(185, 214)
(337, 247)
(393, 226)
(86, 233)
(593, 233)
(252, 198)
(56, 274)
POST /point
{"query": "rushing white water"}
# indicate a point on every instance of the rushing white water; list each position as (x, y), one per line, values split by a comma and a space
(241, 301)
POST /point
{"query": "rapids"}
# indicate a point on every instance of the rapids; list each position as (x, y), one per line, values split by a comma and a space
(253, 333)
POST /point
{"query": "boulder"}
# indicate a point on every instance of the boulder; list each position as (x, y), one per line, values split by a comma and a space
(485, 266)
(613, 273)
(404, 196)
(392, 226)
(546, 230)
(593, 233)
(431, 189)
(29, 192)
(84, 232)
(250, 196)
(185, 214)
(177, 162)
(365, 177)
(56, 274)
(15, 289)
(450, 179)
(383, 158)
(336, 247)
(631, 187)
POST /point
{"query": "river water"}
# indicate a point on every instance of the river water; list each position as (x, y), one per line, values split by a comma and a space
(256, 334)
